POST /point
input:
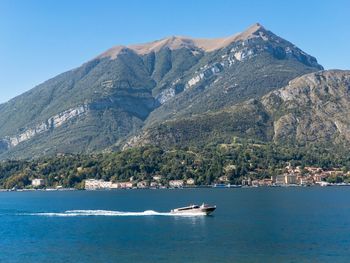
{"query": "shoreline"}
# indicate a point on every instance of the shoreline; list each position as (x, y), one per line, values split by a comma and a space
(173, 188)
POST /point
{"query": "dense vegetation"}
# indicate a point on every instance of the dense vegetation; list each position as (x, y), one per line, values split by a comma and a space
(236, 160)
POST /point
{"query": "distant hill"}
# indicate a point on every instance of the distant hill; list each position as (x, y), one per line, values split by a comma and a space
(129, 90)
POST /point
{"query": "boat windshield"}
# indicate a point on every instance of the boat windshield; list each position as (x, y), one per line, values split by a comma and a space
(188, 207)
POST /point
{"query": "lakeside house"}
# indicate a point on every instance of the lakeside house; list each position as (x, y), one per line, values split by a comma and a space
(285, 179)
(93, 184)
(125, 185)
(38, 182)
(280, 179)
(290, 179)
(261, 182)
(305, 180)
(142, 184)
(313, 170)
(266, 182)
(190, 181)
(157, 178)
(176, 183)
(223, 179)
(154, 184)
(247, 182)
(317, 178)
(255, 183)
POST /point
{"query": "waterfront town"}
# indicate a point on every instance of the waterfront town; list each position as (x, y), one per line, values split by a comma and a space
(306, 176)
(289, 176)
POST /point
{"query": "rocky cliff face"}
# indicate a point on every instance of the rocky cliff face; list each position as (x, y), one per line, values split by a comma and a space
(51, 123)
(313, 108)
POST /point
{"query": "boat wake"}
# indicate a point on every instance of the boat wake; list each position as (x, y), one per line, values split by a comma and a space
(84, 213)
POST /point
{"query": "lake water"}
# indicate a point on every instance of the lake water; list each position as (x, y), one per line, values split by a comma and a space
(250, 225)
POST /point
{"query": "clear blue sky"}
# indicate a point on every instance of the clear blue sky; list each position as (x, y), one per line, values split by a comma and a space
(42, 38)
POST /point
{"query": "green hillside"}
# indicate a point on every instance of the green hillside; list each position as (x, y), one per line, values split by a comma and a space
(205, 165)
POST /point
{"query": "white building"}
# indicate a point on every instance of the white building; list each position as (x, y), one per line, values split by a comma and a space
(190, 181)
(223, 179)
(93, 184)
(286, 179)
(142, 184)
(176, 183)
(290, 179)
(154, 184)
(280, 179)
(247, 182)
(157, 177)
(125, 184)
(37, 182)
(115, 185)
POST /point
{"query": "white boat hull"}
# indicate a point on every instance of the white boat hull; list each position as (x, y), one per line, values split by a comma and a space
(200, 210)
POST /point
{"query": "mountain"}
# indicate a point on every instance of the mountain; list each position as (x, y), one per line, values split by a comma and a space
(129, 89)
(313, 108)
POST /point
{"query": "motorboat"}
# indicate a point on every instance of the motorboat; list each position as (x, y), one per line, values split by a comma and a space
(203, 209)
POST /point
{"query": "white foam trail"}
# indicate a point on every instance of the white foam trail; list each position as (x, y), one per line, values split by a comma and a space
(72, 213)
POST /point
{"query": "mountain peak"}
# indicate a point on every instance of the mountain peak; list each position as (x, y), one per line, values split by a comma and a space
(256, 26)
(253, 29)
(177, 42)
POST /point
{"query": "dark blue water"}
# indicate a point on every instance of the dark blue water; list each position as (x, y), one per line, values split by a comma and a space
(250, 225)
